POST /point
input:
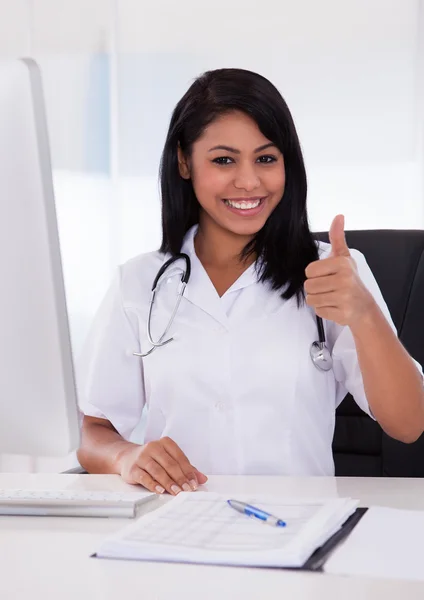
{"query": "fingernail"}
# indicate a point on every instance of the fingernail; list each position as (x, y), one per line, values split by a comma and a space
(175, 489)
(193, 484)
(186, 487)
(159, 489)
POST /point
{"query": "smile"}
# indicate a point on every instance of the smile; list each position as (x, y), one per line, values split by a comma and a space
(243, 205)
(247, 206)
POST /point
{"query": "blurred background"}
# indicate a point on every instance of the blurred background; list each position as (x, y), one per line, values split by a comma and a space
(352, 73)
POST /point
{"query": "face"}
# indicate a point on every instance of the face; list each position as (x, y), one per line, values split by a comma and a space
(237, 174)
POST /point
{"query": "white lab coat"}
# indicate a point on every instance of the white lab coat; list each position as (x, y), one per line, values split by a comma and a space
(236, 389)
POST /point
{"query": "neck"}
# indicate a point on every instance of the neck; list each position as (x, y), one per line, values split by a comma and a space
(219, 247)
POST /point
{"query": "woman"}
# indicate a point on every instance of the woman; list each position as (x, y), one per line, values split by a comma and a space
(236, 391)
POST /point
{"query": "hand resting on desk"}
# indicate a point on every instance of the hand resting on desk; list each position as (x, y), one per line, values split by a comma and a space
(160, 466)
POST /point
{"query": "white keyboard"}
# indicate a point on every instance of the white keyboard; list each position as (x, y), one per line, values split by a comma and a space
(71, 503)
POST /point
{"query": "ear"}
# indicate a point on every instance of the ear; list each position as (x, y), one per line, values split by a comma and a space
(183, 164)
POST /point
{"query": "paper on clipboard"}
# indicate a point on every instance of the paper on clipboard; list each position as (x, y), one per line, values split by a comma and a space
(201, 528)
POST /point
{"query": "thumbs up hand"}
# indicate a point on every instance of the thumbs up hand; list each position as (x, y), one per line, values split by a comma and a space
(333, 286)
(337, 237)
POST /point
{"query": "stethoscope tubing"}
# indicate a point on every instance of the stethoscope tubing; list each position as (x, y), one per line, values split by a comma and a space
(319, 352)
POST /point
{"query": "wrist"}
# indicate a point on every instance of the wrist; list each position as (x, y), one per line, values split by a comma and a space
(367, 321)
(122, 450)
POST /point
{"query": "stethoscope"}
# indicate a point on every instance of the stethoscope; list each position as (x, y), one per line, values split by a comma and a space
(319, 352)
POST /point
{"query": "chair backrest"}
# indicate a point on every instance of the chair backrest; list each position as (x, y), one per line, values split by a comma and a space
(360, 447)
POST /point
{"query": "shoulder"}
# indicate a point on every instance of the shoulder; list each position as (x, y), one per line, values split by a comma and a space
(137, 274)
(141, 265)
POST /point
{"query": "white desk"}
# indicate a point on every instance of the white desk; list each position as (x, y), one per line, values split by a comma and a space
(49, 557)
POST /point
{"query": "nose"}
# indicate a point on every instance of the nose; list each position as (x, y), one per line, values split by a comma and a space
(246, 177)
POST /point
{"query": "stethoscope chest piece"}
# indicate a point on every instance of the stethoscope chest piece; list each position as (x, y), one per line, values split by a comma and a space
(321, 356)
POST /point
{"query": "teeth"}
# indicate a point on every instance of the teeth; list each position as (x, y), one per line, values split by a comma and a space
(243, 205)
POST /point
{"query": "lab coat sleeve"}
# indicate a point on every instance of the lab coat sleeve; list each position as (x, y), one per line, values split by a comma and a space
(346, 365)
(109, 378)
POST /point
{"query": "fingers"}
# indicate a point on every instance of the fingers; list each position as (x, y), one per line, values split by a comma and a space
(181, 459)
(145, 471)
(167, 464)
(321, 285)
(143, 478)
(161, 465)
(329, 266)
(330, 299)
(201, 477)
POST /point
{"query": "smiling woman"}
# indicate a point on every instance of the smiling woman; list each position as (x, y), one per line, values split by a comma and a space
(236, 392)
(237, 192)
(234, 141)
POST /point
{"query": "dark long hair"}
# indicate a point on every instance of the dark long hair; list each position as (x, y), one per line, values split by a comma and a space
(285, 244)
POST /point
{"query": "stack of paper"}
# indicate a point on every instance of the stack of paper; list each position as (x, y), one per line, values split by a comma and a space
(202, 528)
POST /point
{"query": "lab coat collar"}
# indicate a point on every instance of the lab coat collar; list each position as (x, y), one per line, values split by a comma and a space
(200, 290)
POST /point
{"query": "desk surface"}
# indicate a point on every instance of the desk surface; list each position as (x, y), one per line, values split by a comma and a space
(49, 557)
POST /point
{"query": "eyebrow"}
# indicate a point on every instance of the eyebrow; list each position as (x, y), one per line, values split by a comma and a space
(235, 151)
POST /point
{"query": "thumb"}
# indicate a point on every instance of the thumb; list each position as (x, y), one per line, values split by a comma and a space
(337, 237)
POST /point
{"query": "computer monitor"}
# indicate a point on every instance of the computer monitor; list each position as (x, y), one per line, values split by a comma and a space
(38, 406)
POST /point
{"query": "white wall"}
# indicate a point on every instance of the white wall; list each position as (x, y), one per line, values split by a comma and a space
(352, 73)
(348, 70)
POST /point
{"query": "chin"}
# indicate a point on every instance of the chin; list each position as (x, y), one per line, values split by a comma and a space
(246, 229)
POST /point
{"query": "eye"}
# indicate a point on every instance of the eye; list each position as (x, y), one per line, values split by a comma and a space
(267, 159)
(223, 160)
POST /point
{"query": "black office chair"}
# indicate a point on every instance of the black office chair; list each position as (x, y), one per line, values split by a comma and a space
(360, 447)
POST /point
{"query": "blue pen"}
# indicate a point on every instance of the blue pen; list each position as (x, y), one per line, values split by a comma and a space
(252, 511)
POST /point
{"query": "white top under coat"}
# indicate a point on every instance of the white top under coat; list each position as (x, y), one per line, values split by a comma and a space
(236, 389)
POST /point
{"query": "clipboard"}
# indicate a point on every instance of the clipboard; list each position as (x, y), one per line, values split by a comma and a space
(318, 559)
(129, 544)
